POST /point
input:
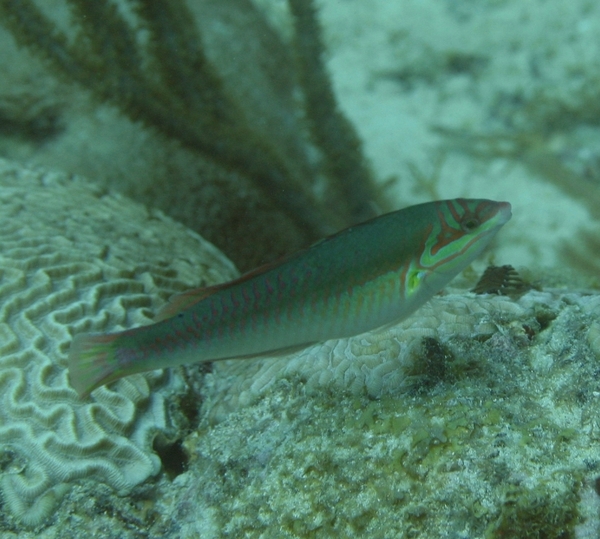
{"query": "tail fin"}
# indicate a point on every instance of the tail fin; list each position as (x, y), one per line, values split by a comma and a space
(92, 362)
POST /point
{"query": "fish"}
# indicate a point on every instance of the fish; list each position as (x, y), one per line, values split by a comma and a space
(365, 277)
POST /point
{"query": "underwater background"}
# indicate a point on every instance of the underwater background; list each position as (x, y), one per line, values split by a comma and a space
(150, 147)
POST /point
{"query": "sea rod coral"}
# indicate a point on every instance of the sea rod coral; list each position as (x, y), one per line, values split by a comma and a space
(253, 107)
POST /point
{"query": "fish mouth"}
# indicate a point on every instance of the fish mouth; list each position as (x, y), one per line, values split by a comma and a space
(495, 213)
(504, 212)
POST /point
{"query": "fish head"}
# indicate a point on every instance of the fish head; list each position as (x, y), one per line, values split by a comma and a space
(458, 231)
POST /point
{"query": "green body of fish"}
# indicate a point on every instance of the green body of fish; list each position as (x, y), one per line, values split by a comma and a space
(359, 279)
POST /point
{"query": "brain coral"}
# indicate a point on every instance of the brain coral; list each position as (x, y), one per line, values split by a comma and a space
(74, 258)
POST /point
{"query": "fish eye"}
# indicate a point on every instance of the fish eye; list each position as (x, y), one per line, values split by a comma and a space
(470, 224)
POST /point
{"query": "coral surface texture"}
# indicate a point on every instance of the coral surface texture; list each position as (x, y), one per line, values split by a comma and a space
(75, 259)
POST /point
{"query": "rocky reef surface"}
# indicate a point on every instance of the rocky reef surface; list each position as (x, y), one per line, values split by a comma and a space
(475, 417)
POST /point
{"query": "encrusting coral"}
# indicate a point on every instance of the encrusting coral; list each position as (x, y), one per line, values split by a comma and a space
(74, 258)
(476, 417)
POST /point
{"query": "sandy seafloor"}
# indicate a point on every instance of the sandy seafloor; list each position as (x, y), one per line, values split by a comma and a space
(526, 75)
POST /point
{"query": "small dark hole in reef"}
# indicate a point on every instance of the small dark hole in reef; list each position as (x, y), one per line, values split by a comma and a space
(190, 402)
(432, 367)
(173, 457)
(545, 318)
(597, 485)
(37, 127)
(529, 331)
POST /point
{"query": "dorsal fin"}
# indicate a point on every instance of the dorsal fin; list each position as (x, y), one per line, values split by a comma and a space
(181, 302)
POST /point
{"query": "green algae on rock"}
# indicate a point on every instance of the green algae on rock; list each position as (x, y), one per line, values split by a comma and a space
(505, 449)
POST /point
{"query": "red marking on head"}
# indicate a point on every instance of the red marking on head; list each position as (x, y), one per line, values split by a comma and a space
(452, 209)
(451, 232)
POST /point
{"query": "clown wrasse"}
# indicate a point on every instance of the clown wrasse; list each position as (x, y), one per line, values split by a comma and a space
(359, 279)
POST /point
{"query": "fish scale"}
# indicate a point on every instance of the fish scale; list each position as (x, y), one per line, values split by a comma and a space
(359, 279)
